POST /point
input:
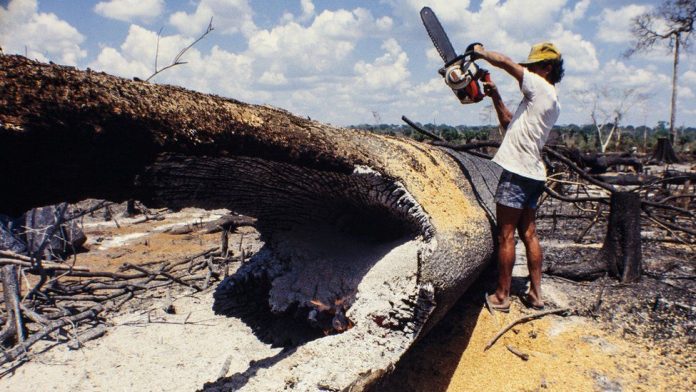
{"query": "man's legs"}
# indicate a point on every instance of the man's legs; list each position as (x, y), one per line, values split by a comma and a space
(508, 219)
(526, 229)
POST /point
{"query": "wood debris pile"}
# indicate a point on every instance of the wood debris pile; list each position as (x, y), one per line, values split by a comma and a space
(64, 302)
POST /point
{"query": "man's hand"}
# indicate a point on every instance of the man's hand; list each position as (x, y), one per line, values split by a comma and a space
(504, 115)
(490, 89)
(479, 52)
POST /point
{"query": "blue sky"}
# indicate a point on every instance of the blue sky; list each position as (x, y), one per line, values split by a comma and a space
(352, 62)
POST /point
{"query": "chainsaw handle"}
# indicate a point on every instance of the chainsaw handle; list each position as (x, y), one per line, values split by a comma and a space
(486, 79)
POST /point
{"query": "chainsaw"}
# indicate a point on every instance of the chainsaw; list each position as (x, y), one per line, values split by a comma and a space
(460, 72)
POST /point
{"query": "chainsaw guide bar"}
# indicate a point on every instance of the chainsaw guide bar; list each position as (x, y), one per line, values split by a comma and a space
(437, 35)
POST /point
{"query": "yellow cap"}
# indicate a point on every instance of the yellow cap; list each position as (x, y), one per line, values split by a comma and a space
(541, 52)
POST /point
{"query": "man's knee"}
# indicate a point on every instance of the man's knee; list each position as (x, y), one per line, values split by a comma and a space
(506, 236)
(529, 237)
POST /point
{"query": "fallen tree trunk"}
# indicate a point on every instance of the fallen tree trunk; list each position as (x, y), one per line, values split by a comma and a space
(372, 231)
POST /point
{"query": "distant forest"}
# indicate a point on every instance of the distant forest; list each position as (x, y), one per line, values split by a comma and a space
(583, 137)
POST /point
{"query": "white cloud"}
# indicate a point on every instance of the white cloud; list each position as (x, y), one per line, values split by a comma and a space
(110, 60)
(390, 71)
(218, 71)
(579, 55)
(129, 10)
(320, 47)
(620, 75)
(614, 26)
(229, 17)
(289, 47)
(689, 77)
(273, 79)
(307, 9)
(684, 92)
(136, 56)
(569, 16)
(42, 36)
(445, 10)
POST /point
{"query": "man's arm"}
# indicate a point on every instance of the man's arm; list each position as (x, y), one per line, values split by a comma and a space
(501, 61)
(504, 115)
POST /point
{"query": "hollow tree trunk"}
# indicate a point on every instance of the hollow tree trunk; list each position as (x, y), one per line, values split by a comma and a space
(622, 245)
(392, 229)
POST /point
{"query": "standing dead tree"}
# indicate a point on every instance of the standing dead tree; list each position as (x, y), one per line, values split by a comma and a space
(608, 107)
(672, 22)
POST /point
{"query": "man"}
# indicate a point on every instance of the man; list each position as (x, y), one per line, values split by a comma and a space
(524, 175)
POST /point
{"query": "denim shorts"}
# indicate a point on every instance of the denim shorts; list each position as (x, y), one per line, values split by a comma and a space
(518, 192)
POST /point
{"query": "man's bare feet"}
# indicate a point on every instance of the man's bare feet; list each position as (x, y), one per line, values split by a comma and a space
(495, 303)
(531, 301)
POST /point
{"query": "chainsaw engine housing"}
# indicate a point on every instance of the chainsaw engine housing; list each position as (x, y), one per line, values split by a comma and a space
(462, 76)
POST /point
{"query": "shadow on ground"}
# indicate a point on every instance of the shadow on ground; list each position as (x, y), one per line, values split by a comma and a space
(429, 367)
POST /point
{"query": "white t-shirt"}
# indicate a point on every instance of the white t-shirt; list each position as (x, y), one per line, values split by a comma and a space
(520, 151)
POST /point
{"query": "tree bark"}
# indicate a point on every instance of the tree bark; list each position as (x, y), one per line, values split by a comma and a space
(664, 153)
(673, 108)
(621, 253)
(13, 330)
(622, 250)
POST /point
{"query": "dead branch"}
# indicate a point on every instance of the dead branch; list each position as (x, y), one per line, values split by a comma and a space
(576, 169)
(12, 255)
(576, 199)
(21, 349)
(668, 207)
(33, 316)
(91, 334)
(598, 301)
(669, 225)
(521, 320)
(163, 273)
(421, 130)
(520, 354)
(177, 58)
(592, 223)
(47, 265)
(106, 289)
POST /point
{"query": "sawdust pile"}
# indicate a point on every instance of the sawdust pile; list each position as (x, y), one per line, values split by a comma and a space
(565, 354)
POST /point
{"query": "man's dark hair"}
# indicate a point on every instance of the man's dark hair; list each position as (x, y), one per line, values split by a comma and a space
(557, 70)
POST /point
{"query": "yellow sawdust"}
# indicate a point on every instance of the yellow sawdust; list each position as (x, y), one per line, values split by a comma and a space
(564, 355)
(433, 178)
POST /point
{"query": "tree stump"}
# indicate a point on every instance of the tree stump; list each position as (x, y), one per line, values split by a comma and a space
(664, 152)
(622, 245)
(13, 330)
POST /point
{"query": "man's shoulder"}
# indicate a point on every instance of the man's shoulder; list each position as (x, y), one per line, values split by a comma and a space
(536, 81)
(535, 87)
